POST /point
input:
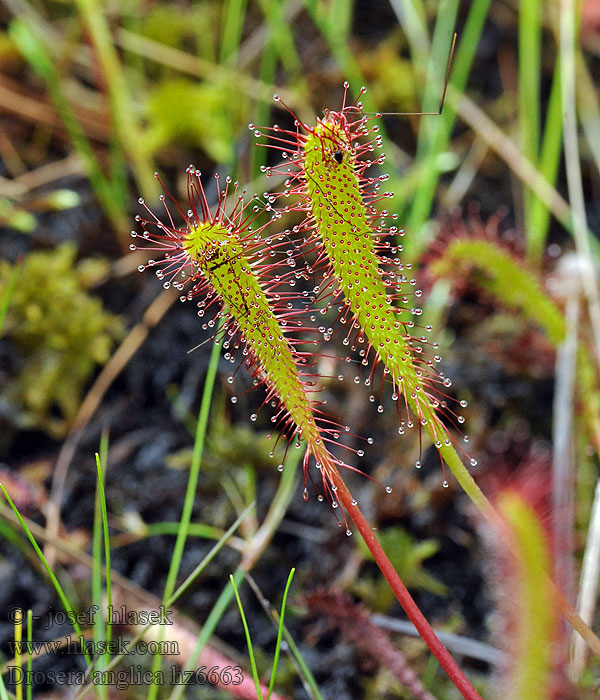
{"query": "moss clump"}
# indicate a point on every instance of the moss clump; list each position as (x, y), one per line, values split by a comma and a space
(54, 334)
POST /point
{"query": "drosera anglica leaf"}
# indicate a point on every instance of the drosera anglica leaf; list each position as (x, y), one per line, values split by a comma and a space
(326, 166)
(224, 262)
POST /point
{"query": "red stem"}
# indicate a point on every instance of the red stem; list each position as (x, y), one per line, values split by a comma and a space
(404, 598)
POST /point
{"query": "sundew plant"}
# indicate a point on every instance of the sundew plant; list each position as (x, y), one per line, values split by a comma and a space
(383, 374)
(221, 258)
(325, 168)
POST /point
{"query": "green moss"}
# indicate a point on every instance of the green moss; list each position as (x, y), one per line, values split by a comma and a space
(57, 334)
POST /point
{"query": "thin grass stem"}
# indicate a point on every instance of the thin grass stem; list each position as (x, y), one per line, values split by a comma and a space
(442, 127)
(548, 162)
(100, 537)
(233, 15)
(122, 110)
(248, 640)
(51, 575)
(310, 684)
(29, 652)
(530, 31)
(190, 493)
(34, 51)
(280, 632)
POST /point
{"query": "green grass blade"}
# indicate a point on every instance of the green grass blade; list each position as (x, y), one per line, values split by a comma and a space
(35, 53)
(310, 684)
(190, 494)
(549, 160)
(123, 113)
(438, 60)
(339, 46)
(280, 632)
(99, 629)
(530, 33)
(413, 18)
(465, 53)
(248, 640)
(304, 670)
(192, 484)
(29, 652)
(203, 564)
(51, 575)
(281, 37)
(262, 537)
(340, 16)
(280, 45)
(276, 512)
(260, 540)
(234, 14)
(18, 636)
(208, 628)
(210, 556)
(102, 632)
